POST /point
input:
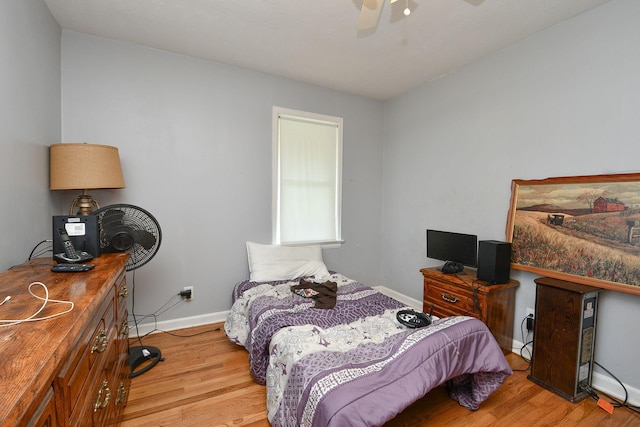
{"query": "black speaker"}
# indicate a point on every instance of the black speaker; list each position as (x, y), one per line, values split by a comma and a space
(494, 261)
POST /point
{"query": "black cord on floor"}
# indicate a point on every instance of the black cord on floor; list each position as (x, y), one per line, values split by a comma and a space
(615, 402)
(190, 335)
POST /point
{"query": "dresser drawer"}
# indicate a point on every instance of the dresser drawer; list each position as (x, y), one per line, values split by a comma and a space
(122, 292)
(455, 300)
(104, 391)
(86, 361)
(438, 310)
(45, 414)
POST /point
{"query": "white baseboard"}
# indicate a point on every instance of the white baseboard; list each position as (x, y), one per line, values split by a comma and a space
(411, 302)
(172, 325)
(611, 387)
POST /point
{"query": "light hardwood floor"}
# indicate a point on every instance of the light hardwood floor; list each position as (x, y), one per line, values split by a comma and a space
(204, 381)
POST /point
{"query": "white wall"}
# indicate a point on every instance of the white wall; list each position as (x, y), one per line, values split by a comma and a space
(195, 143)
(29, 123)
(563, 102)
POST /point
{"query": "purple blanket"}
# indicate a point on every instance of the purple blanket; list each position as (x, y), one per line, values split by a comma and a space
(355, 364)
(376, 385)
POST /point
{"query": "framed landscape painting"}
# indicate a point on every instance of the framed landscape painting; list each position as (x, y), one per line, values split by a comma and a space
(584, 229)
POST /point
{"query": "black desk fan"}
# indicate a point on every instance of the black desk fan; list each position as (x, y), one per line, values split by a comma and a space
(129, 228)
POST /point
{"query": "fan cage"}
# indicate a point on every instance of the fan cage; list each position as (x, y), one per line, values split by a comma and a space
(133, 218)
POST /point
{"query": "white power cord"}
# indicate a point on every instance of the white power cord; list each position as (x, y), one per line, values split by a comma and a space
(45, 301)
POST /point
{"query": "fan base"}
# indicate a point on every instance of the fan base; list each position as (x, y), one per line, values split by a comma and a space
(143, 358)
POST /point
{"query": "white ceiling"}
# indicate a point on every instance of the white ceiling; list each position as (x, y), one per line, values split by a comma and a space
(316, 41)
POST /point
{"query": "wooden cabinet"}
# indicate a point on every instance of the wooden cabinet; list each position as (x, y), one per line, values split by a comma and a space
(564, 337)
(465, 295)
(72, 369)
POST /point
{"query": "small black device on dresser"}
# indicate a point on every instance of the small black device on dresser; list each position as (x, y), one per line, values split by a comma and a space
(81, 232)
(494, 261)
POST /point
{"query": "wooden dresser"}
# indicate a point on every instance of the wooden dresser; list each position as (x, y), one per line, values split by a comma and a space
(465, 295)
(70, 370)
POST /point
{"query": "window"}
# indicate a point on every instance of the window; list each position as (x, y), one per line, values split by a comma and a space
(307, 177)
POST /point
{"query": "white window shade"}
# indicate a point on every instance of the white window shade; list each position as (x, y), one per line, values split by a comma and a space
(307, 177)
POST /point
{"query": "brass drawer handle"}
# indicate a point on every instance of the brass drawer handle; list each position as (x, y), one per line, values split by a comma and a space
(124, 291)
(450, 298)
(124, 328)
(121, 395)
(100, 342)
(102, 402)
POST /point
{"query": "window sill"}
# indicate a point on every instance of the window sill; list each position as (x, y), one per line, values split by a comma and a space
(325, 244)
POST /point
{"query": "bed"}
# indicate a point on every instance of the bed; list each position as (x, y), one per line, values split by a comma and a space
(353, 363)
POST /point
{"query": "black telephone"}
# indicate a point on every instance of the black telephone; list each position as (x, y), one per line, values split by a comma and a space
(70, 254)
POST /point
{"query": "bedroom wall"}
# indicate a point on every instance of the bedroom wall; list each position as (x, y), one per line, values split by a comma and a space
(30, 121)
(195, 143)
(562, 102)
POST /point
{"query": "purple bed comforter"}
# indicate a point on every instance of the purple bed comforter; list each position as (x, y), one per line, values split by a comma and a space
(270, 312)
(355, 364)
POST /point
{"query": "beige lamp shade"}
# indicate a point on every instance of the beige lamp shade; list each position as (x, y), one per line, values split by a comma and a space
(81, 166)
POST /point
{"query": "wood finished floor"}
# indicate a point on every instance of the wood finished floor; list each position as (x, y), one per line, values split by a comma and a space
(204, 381)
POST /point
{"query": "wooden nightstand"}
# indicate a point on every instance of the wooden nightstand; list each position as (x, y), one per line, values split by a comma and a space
(465, 295)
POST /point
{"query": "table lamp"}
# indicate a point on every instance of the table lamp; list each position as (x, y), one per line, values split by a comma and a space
(82, 166)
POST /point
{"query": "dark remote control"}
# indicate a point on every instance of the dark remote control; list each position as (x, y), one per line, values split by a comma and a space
(71, 268)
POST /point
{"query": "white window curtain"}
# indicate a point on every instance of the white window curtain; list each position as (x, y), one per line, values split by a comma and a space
(307, 167)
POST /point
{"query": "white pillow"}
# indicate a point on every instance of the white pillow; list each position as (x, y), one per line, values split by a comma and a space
(271, 262)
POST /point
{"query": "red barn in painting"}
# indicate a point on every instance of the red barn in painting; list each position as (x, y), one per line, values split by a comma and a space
(605, 204)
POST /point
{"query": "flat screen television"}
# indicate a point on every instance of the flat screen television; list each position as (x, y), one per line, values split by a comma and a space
(456, 249)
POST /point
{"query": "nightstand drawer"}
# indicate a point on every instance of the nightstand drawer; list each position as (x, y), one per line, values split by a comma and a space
(438, 310)
(456, 301)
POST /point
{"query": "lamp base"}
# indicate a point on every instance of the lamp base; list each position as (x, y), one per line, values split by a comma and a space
(85, 204)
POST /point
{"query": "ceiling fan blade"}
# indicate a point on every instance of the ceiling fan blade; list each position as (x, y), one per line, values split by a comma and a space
(369, 14)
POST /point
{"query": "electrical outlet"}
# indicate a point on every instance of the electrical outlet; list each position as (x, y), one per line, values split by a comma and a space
(530, 318)
(188, 289)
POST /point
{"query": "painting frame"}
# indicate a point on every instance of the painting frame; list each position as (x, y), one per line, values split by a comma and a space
(573, 228)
